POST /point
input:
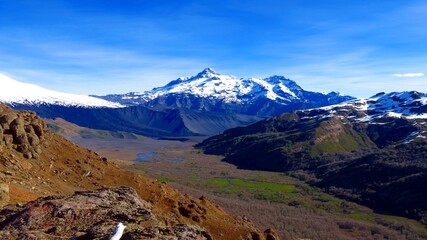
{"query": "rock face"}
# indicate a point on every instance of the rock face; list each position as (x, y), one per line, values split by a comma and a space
(22, 131)
(90, 215)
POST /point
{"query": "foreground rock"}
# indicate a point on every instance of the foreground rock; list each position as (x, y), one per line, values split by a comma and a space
(90, 215)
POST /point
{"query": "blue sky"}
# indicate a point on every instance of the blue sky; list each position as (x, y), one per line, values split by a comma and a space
(99, 46)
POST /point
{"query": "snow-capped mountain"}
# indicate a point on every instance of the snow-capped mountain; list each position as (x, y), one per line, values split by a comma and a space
(408, 105)
(399, 104)
(403, 114)
(13, 92)
(230, 89)
(211, 91)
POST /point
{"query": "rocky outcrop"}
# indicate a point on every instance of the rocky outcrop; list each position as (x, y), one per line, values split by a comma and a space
(22, 131)
(90, 215)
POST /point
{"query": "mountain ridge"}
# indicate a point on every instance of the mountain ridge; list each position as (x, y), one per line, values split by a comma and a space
(13, 92)
(211, 91)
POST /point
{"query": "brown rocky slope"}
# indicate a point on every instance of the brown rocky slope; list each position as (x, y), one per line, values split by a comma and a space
(35, 162)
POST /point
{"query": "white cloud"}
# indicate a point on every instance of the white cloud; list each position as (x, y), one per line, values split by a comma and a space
(408, 75)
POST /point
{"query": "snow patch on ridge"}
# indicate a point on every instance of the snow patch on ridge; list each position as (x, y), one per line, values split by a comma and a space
(14, 92)
(410, 105)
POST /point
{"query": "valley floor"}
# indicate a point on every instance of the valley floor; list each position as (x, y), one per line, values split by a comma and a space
(293, 208)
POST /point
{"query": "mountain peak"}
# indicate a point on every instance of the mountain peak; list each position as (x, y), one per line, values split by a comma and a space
(207, 72)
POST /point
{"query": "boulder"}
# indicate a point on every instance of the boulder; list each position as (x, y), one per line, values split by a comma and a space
(7, 118)
(4, 193)
(33, 139)
(270, 234)
(90, 215)
(19, 135)
(8, 140)
(25, 129)
(38, 126)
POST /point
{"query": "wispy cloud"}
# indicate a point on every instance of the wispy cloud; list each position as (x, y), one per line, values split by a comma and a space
(94, 48)
(408, 75)
(90, 69)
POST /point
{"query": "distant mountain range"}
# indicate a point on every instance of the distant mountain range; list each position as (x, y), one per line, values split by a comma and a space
(205, 104)
(380, 121)
(211, 91)
(369, 150)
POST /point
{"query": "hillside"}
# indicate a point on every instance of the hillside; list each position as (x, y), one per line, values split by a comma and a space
(144, 121)
(35, 162)
(381, 140)
(390, 179)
